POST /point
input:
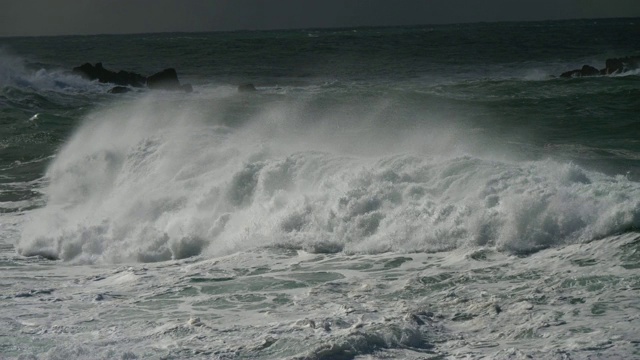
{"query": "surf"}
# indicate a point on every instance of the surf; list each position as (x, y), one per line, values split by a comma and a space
(164, 178)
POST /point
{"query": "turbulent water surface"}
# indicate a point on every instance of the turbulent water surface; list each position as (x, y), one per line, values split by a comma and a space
(427, 192)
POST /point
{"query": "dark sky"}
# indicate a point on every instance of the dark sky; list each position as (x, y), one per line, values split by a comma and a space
(58, 17)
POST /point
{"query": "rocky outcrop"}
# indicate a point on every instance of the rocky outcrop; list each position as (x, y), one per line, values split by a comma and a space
(122, 78)
(620, 65)
(585, 71)
(612, 66)
(166, 79)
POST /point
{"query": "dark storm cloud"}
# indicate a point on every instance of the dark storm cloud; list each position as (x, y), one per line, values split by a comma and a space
(47, 17)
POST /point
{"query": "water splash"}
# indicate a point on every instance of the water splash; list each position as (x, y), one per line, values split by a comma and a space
(154, 181)
(15, 73)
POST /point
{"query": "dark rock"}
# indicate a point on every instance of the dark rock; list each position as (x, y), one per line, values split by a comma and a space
(166, 79)
(585, 71)
(89, 71)
(119, 90)
(612, 66)
(589, 71)
(98, 72)
(620, 65)
(570, 74)
(248, 87)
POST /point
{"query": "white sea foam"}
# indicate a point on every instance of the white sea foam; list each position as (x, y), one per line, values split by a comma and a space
(579, 301)
(159, 180)
(632, 72)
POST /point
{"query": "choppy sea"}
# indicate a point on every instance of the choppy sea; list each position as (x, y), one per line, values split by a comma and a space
(425, 192)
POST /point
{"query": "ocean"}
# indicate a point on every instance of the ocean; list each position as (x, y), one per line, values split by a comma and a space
(422, 192)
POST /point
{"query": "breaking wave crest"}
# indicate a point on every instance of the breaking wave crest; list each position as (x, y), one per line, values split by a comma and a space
(154, 181)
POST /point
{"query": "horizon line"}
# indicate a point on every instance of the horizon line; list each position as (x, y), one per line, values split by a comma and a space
(315, 28)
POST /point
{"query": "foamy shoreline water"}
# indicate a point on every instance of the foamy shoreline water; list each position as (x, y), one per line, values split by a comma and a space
(578, 301)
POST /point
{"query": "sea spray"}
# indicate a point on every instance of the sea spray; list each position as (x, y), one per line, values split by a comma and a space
(150, 181)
